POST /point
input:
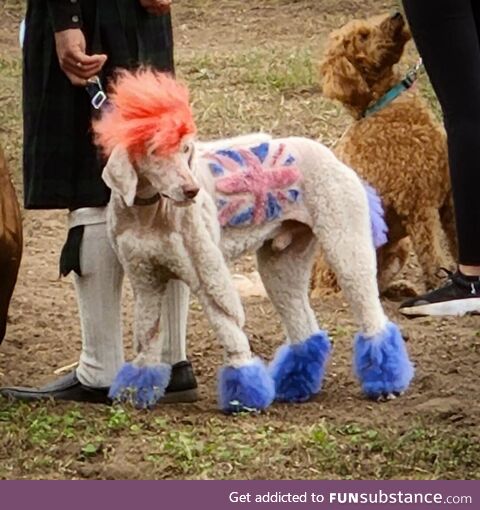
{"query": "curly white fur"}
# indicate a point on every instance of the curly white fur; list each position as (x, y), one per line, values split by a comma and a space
(177, 239)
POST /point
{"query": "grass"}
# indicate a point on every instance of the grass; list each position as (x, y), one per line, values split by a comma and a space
(282, 82)
(10, 104)
(271, 87)
(50, 441)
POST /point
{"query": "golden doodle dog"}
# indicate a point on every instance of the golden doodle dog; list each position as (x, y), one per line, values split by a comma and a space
(397, 146)
(10, 242)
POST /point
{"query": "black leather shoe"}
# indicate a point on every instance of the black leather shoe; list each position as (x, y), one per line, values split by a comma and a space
(67, 387)
(182, 388)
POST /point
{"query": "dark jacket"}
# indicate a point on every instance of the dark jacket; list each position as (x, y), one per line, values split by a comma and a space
(61, 166)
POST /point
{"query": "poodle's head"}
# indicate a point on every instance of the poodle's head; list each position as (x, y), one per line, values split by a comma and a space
(359, 59)
(148, 135)
(172, 176)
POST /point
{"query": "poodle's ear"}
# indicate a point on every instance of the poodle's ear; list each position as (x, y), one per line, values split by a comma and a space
(192, 157)
(341, 81)
(120, 175)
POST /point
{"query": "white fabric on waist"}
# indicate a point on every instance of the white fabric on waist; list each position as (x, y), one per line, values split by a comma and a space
(87, 216)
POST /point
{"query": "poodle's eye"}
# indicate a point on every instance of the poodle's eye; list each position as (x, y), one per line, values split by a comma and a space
(186, 149)
(364, 36)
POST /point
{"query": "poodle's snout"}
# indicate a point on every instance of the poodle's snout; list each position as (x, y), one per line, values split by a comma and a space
(397, 21)
(394, 24)
(190, 191)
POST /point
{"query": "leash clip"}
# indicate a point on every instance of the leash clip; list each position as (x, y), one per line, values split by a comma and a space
(95, 91)
(412, 75)
(418, 65)
(397, 90)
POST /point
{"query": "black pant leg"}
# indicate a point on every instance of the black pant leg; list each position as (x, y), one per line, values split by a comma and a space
(447, 38)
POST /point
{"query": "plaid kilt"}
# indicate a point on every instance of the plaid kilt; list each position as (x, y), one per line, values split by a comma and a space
(61, 167)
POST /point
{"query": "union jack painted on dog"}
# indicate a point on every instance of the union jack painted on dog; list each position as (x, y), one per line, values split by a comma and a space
(254, 185)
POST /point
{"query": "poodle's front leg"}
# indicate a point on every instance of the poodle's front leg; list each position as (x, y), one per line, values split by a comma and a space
(243, 382)
(143, 381)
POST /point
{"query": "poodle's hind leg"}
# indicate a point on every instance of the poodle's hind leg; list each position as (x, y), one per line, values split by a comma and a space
(298, 367)
(391, 261)
(143, 381)
(426, 232)
(342, 226)
(323, 280)
(447, 217)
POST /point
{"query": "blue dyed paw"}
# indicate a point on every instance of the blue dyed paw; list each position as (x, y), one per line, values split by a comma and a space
(298, 369)
(246, 388)
(143, 387)
(382, 364)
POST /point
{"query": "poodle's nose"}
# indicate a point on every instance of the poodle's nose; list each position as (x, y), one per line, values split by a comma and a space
(190, 191)
(397, 16)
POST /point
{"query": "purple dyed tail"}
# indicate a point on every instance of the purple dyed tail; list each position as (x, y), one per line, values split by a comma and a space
(377, 219)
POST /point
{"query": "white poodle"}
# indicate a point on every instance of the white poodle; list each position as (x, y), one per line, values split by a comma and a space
(181, 209)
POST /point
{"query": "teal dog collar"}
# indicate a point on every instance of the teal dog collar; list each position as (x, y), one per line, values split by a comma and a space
(396, 91)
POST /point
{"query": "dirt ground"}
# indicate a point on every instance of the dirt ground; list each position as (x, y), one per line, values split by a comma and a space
(251, 65)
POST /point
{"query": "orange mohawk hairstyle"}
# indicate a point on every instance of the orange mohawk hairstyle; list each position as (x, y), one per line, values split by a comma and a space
(150, 110)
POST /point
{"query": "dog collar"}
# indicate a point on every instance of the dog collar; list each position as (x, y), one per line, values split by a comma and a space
(147, 201)
(396, 91)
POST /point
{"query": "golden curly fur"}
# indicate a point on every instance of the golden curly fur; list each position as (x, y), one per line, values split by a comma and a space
(400, 150)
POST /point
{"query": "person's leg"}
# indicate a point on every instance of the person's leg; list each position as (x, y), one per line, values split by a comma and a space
(98, 283)
(99, 299)
(98, 290)
(447, 37)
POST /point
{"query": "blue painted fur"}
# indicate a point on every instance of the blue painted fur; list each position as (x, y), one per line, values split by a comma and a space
(298, 369)
(143, 387)
(377, 217)
(382, 364)
(246, 388)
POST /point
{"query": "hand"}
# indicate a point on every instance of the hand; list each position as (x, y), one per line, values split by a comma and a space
(74, 62)
(156, 7)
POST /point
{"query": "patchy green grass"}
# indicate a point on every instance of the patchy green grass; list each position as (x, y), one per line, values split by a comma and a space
(429, 94)
(235, 89)
(51, 441)
(268, 89)
(10, 105)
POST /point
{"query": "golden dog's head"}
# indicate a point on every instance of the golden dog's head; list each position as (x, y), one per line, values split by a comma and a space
(358, 62)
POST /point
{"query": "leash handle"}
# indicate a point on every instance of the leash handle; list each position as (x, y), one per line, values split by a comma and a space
(95, 91)
(21, 33)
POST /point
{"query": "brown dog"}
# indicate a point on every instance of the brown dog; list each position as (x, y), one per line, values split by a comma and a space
(400, 150)
(11, 241)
